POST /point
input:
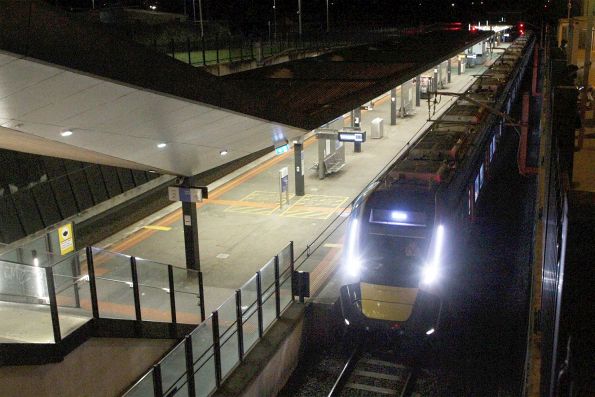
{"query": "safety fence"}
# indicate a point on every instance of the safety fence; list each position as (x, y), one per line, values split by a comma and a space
(61, 294)
(199, 364)
(203, 51)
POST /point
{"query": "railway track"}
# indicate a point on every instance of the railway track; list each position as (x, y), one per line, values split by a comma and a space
(374, 374)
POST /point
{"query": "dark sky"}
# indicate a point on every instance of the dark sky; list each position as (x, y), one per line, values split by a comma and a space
(254, 15)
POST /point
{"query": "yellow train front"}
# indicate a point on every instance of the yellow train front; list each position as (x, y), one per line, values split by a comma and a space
(392, 260)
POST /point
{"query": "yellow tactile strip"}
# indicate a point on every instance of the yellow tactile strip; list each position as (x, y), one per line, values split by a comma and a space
(315, 206)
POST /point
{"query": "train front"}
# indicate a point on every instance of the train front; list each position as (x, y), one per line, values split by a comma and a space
(392, 263)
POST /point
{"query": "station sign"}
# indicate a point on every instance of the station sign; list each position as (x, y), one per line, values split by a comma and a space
(282, 149)
(187, 194)
(352, 136)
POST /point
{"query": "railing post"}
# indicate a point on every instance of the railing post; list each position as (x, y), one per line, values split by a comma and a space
(277, 289)
(173, 48)
(217, 45)
(204, 57)
(229, 48)
(76, 272)
(135, 289)
(188, 49)
(189, 366)
(92, 284)
(157, 381)
(49, 277)
(291, 269)
(259, 303)
(240, 324)
(201, 295)
(216, 347)
(172, 293)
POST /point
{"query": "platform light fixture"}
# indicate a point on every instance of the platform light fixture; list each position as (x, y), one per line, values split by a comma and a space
(224, 152)
(161, 145)
(67, 132)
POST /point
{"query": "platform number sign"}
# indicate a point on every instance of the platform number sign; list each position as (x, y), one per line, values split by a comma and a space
(66, 239)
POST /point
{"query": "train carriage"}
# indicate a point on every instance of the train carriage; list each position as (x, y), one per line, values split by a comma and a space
(404, 226)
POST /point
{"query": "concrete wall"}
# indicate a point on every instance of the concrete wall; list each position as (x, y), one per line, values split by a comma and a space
(100, 367)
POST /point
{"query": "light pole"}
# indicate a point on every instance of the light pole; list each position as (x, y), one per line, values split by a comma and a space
(202, 31)
(300, 16)
(275, 19)
(328, 26)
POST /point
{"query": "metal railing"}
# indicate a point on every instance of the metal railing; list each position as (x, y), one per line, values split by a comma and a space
(200, 363)
(98, 284)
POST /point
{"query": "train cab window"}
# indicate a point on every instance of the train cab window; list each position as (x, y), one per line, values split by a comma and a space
(481, 175)
(393, 260)
(476, 187)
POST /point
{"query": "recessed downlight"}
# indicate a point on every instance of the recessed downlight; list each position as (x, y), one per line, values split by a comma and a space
(161, 145)
(223, 152)
(66, 133)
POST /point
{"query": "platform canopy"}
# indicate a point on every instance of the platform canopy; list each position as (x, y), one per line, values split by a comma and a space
(77, 90)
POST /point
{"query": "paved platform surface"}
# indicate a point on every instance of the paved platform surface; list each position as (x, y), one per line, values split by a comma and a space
(242, 225)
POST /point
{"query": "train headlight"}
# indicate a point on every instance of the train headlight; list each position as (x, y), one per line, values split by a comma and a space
(431, 271)
(353, 260)
(429, 274)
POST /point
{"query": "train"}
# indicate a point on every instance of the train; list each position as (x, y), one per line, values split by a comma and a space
(404, 227)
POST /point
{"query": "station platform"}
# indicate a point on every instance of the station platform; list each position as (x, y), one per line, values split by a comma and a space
(242, 224)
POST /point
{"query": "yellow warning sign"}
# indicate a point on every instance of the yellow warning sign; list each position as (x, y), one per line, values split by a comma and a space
(66, 239)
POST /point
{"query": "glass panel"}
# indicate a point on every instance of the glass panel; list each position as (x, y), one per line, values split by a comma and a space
(285, 259)
(25, 312)
(187, 298)
(72, 295)
(202, 339)
(267, 275)
(229, 353)
(154, 290)
(227, 316)
(143, 388)
(250, 330)
(204, 375)
(114, 285)
(173, 369)
(285, 290)
(269, 311)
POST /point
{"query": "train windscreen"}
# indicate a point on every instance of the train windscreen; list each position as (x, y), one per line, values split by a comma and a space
(393, 259)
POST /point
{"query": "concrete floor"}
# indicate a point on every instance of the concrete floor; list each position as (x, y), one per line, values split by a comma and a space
(27, 323)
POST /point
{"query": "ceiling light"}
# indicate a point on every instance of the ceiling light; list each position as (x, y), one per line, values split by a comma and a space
(161, 145)
(223, 152)
(66, 133)
(152, 171)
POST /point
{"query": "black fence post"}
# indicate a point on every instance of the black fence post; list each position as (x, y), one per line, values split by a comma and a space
(292, 270)
(201, 294)
(277, 289)
(92, 284)
(157, 381)
(229, 48)
(172, 293)
(217, 45)
(189, 366)
(204, 56)
(240, 324)
(49, 277)
(173, 48)
(135, 289)
(259, 303)
(216, 347)
(188, 49)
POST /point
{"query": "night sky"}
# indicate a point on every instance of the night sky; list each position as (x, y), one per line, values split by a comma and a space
(254, 16)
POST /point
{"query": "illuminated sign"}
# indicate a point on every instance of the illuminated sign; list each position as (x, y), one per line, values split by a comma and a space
(282, 149)
(352, 136)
